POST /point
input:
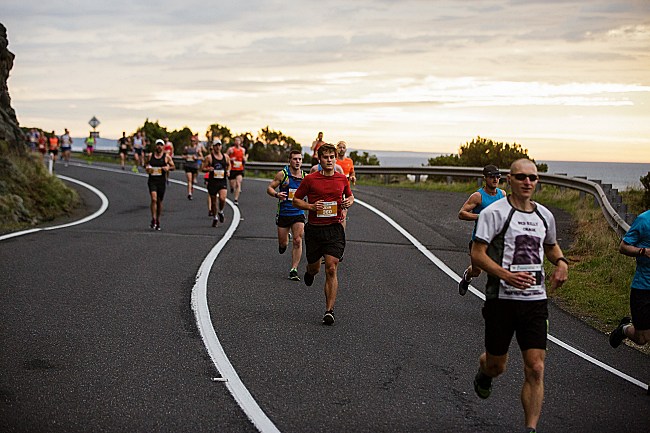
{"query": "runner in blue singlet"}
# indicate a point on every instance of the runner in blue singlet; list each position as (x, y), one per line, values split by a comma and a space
(476, 202)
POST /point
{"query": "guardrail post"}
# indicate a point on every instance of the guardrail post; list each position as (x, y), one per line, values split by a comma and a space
(479, 182)
(417, 178)
(562, 188)
(449, 180)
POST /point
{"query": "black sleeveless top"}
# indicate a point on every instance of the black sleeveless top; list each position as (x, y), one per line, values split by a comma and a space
(157, 163)
(219, 166)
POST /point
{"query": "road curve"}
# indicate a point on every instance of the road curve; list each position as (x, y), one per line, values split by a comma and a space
(101, 336)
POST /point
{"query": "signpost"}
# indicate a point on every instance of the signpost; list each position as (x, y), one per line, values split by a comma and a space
(94, 122)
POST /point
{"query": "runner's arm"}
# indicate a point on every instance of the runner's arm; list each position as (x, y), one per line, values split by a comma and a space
(170, 163)
(561, 272)
(270, 190)
(631, 251)
(465, 212)
(520, 280)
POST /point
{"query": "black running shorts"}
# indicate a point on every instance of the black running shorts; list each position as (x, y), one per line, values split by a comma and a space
(324, 240)
(234, 174)
(216, 185)
(288, 221)
(640, 308)
(505, 317)
(159, 186)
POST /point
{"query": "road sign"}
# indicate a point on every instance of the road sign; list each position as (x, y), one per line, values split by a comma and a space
(94, 122)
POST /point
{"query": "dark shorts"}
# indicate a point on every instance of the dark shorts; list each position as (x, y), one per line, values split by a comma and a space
(53, 152)
(324, 240)
(159, 186)
(137, 151)
(124, 151)
(216, 185)
(288, 221)
(66, 149)
(505, 317)
(190, 169)
(234, 174)
(640, 308)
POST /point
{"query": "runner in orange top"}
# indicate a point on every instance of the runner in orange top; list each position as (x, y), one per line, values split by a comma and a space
(348, 170)
(53, 141)
(238, 157)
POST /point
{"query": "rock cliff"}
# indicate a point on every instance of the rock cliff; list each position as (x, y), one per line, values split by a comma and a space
(9, 129)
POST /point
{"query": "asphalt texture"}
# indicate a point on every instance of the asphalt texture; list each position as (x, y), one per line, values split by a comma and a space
(97, 331)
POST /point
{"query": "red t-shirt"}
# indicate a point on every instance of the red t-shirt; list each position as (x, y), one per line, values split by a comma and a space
(330, 189)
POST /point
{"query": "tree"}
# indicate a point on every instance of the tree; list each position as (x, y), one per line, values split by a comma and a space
(363, 158)
(221, 132)
(271, 145)
(482, 151)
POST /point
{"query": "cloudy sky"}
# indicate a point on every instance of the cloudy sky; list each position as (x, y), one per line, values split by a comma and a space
(569, 80)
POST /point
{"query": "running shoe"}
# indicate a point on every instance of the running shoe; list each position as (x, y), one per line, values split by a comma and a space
(482, 385)
(293, 274)
(214, 222)
(189, 196)
(157, 225)
(210, 213)
(282, 249)
(236, 203)
(463, 284)
(328, 318)
(530, 430)
(309, 279)
(617, 335)
(221, 217)
(134, 169)
(153, 224)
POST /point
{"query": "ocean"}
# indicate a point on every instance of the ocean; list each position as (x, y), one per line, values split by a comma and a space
(621, 175)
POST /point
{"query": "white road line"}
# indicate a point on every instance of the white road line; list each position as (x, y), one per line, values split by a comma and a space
(101, 210)
(204, 322)
(447, 270)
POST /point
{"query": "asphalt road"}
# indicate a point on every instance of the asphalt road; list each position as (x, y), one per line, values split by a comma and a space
(97, 332)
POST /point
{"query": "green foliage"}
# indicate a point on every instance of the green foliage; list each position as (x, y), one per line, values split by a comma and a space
(363, 158)
(180, 139)
(482, 151)
(153, 132)
(645, 181)
(221, 132)
(272, 145)
(28, 193)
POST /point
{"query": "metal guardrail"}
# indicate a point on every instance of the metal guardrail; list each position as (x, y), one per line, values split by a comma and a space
(595, 188)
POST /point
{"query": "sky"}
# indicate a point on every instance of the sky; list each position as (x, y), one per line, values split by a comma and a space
(568, 80)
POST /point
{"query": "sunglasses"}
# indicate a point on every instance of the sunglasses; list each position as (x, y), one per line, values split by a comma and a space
(522, 176)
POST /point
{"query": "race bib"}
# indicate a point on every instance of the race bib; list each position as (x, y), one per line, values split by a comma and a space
(157, 171)
(292, 192)
(535, 269)
(219, 174)
(329, 210)
(236, 164)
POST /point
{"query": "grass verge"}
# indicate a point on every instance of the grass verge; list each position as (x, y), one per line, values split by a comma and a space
(29, 195)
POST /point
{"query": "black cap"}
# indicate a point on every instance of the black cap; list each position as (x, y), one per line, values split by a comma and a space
(491, 170)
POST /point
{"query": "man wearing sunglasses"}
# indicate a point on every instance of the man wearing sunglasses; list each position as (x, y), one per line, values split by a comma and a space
(512, 237)
(485, 196)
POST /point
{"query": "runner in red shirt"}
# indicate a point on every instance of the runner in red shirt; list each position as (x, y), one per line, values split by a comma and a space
(329, 193)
